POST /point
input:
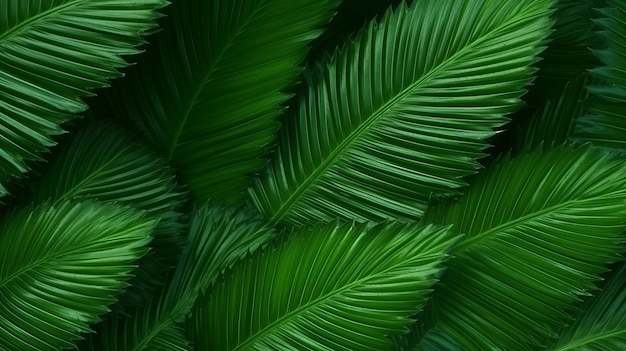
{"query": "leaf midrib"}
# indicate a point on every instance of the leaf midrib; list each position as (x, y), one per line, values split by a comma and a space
(322, 299)
(375, 117)
(24, 24)
(205, 79)
(591, 339)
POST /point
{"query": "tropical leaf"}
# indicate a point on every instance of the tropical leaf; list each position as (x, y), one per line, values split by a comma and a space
(539, 229)
(568, 55)
(555, 120)
(61, 267)
(212, 108)
(397, 118)
(52, 53)
(218, 237)
(605, 125)
(601, 323)
(103, 162)
(329, 287)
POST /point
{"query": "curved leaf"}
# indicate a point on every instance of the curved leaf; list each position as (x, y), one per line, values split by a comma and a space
(330, 287)
(61, 267)
(606, 123)
(403, 113)
(102, 162)
(539, 229)
(221, 65)
(218, 237)
(601, 323)
(52, 53)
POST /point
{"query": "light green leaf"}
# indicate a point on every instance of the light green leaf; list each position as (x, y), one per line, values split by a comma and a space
(218, 237)
(52, 53)
(329, 287)
(103, 162)
(605, 125)
(539, 229)
(209, 91)
(61, 267)
(601, 323)
(404, 112)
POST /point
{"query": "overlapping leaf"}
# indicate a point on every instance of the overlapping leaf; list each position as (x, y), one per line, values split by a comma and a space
(218, 237)
(103, 162)
(403, 113)
(60, 266)
(329, 287)
(601, 323)
(606, 123)
(539, 229)
(209, 90)
(51, 54)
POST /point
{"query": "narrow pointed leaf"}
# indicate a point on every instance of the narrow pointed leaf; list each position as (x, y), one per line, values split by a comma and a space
(539, 229)
(601, 323)
(605, 125)
(61, 267)
(329, 287)
(102, 162)
(52, 53)
(402, 114)
(218, 237)
(221, 65)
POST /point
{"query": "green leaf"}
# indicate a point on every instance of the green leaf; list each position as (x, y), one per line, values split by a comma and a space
(554, 122)
(605, 125)
(61, 267)
(404, 112)
(329, 287)
(218, 237)
(601, 323)
(539, 229)
(103, 162)
(209, 91)
(52, 53)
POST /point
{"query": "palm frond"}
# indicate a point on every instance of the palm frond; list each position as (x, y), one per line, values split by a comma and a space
(222, 65)
(103, 162)
(329, 287)
(218, 237)
(403, 113)
(52, 53)
(605, 125)
(61, 267)
(539, 229)
(554, 122)
(601, 323)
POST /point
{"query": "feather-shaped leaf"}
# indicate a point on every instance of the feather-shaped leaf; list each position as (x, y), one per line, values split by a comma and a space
(601, 323)
(102, 162)
(539, 229)
(403, 112)
(606, 123)
(329, 287)
(218, 237)
(61, 266)
(222, 65)
(52, 53)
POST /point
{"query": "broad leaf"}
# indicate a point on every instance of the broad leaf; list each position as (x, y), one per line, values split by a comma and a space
(102, 162)
(403, 113)
(209, 91)
(329, 287)
(61, 267)
(606, 123)
(539, 229)
(52, 53)
(601, 323)
(218, 237)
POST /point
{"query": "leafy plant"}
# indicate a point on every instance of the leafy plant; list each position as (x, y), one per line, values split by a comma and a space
(312, 175)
